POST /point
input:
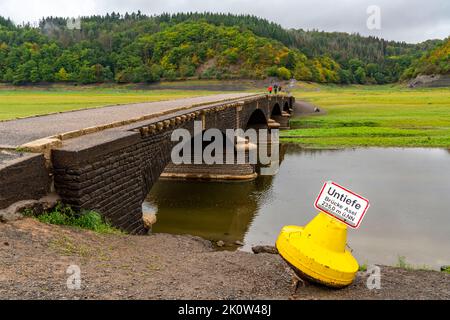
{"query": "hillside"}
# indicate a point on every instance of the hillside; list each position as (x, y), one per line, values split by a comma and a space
(436, 61)
(201, 49)
(139, 48)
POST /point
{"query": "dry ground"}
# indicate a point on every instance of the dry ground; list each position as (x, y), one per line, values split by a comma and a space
(34, 258)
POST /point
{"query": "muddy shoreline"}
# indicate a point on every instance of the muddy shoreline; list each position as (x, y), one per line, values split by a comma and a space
(34, 258)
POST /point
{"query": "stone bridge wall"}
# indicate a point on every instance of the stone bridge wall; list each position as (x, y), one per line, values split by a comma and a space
(24, 177)
(113, 171)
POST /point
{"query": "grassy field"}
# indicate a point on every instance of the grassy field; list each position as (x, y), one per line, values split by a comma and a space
(374, 116)
(23, 102)
(356, 115)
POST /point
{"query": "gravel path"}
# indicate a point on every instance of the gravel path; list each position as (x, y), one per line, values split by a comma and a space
(17, 132)
(34, 259)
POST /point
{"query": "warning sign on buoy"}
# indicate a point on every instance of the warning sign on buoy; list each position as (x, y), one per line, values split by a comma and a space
(318, 251)
(342, 204)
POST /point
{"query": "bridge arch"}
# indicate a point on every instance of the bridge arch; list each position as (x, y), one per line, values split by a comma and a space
(276, 110)
(257, 120)
(277, 114)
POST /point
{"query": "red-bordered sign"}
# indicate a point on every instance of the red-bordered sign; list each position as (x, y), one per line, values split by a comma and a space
(342, 204)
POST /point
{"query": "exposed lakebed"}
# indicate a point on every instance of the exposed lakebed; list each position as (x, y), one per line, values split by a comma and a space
(409, 191)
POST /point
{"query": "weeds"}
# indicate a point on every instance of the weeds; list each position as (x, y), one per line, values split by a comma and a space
(407, 266)
(66, 246)
(65, 216)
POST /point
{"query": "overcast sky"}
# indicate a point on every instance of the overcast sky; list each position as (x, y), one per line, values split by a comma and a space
(404, 20)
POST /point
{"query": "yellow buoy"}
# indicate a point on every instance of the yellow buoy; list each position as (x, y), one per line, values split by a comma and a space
(318, 251)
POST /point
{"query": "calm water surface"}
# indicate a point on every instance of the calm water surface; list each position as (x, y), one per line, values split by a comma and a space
(409, 190)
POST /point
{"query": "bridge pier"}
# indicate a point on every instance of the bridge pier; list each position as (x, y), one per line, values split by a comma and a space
(218, 171)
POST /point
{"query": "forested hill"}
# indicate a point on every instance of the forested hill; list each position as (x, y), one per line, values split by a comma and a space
(436, 61)
(138, 48)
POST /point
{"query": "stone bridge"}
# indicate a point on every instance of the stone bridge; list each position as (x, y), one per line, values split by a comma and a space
(111, 168)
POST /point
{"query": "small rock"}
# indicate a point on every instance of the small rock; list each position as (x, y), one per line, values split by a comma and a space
(264, 249)
(50, 201)
(6, 243)
(239, 243)
(6, 216)
(14, 211)
(220, 243)
(149, 220)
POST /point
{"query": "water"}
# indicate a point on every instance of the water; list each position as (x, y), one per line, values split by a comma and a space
(409, 190)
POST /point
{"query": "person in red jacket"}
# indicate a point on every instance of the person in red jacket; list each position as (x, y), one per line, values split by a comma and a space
(270, 89)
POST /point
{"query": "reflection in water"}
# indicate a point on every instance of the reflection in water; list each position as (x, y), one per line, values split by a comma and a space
(212, 210)
(408, 190)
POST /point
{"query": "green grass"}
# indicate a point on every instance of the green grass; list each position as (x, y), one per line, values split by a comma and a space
(381, 116)
(64, 216)
(363, 267)
(24, 102)
(403, 264)
(67, 246)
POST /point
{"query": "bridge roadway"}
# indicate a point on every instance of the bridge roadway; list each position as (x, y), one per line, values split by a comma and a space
(15, 133)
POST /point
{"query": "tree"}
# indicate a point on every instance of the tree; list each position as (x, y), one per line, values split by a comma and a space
(272, 71)
(302, 72)
(47, 73)
(284, 73)
(9, 76)
(108, 74)
(156, 72)
(315, 74)
(371, 69)
(62, 75)
(355, 64)
(34, 75)
(170, 75)
(186, 68)
(123, 76)
(87, 75)
(231, 55)
(360, 75)
(379, 78)
(289, 60)
(26, 72)
(345, 76)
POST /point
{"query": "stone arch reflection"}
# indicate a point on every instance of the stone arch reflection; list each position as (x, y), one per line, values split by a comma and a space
(211, 210)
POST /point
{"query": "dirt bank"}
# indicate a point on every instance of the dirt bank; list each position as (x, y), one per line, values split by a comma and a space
(302, 108)
(34, 258)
